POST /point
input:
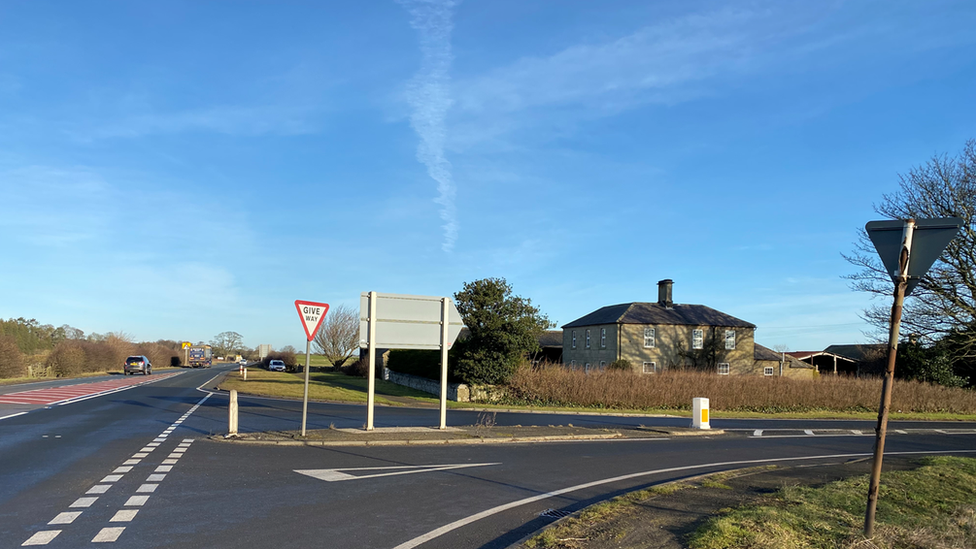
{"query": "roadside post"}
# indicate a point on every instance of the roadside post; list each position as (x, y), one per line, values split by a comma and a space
(699, 413)
(311, 314)
(232, 413)
(186, 352)
(907, 249)
(397, 321)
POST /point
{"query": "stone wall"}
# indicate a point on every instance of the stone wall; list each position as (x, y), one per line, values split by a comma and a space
(458, 392)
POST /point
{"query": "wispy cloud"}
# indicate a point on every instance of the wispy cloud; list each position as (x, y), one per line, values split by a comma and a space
(429, 96)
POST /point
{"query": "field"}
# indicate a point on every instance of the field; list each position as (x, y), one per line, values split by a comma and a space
(322, 386)
(741, 395)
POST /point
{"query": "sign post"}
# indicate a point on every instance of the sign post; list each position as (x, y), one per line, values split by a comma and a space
(396, 321)
(311, 314)
(907, 249)
(186, 352)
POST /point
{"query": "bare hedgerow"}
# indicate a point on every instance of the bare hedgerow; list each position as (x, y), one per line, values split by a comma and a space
(11, 359)
(556, 385)
(67, 359)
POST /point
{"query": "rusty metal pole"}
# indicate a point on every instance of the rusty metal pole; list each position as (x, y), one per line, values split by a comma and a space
(882, 428)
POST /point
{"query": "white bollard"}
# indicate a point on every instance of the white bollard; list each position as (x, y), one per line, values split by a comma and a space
(699, 413)
(245, 374)
(232, 414)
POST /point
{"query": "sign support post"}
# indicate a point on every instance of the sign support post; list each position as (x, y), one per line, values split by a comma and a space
(312, 314)
(371, 382)
(906, 260)
(445, 321)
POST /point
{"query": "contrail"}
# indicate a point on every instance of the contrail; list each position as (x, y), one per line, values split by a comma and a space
(430, 97)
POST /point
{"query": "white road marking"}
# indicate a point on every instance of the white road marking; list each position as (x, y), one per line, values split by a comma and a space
(856, 432)
(147, 488)
(111, 478)
(41, 538)
(174, 455)
(124, 515)
(170, 461)
(941, 431)
(757, 433)
(65, 518)
(159, 439)
(164, 468)
(140, 455)
(12, 415)
(419, 540)
(152, 445)
(108, 534)
(122, 469)
(83, 503)
(808, 431)
(155, 478)
(148, 449)
(188, 439)
(334, 475)
(131, 462)
(136, 501)
(99, 489)
(901, 432)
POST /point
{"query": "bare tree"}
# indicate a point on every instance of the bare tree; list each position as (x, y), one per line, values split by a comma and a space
(943, 305)
(226, 343)
(338, 338)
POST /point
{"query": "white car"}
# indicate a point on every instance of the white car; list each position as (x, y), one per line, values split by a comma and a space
(276, 366)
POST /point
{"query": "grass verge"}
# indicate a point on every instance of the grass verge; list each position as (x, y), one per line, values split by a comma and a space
(933, 506)
(322, 386)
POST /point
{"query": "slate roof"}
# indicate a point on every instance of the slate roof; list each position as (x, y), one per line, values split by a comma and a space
(551, 338)
(656, 314)
(861, 352)
(765, 353)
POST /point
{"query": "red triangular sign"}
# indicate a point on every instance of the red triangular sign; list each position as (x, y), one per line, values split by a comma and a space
(312, 314)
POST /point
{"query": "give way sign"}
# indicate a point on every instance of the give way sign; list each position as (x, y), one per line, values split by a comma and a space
(312, 314)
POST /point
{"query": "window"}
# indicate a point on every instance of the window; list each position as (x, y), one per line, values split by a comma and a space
(650, 367)
(648, 338)
(603, 365)
(723, 369)
(768, 371)
(730, 339)
(697, 338)
(574, 339)
(587, 339)
(603, 338)
(586, 368)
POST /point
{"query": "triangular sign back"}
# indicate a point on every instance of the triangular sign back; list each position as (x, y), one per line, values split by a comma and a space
(312, 314)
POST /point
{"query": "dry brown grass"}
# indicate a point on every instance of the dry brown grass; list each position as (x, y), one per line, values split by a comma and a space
(558, 386)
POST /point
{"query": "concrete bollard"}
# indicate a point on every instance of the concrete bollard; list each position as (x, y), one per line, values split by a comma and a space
(232, 414)
(699, 413)
(245, 374)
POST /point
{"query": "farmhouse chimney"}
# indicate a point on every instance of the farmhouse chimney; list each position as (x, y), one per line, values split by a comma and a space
(664, 293)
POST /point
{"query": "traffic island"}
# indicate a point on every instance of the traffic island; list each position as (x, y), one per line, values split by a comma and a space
(471, 434)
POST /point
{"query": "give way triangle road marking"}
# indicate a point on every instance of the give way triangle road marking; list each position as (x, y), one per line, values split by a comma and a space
(335, 475)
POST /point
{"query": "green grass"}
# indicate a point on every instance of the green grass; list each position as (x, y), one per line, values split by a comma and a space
(322, 386)
(932, 506)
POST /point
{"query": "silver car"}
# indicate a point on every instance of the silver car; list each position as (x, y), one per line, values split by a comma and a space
(135, 364)
(276, 366)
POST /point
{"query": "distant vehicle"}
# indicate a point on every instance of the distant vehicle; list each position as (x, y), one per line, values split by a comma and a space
(200, 356)
(276, 366)
(135, 364)
(242, 361)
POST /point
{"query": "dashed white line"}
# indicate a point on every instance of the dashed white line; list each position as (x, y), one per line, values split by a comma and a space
(43, 537)
(111, 478)
(164, 469)
(83, 503)
(99, 489)
(65, 518)
(170, 461)
(155, 478)
(140, 455)
(146, 488)
(131, 462)
(13, 415)
(108, 534)
(124, 515)
(136, 501)
(125, 469)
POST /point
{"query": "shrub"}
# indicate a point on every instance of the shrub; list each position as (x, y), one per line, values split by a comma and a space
(289, 358)
(67, 359)
(360, 368)
(11, 359)
(420, 363)
(621, 364)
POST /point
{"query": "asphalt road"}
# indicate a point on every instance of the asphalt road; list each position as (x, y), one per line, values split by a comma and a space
(136, 467)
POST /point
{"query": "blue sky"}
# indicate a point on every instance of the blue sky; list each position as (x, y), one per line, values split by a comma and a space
(177, 169)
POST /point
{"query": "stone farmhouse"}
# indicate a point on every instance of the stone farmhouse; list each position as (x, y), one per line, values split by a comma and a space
(656, 336)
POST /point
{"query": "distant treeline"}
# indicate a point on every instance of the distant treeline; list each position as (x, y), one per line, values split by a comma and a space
(29, 348)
